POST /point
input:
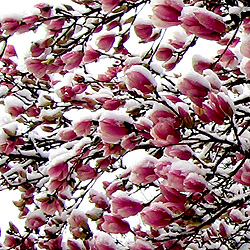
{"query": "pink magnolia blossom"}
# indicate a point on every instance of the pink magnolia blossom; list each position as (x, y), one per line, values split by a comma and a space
(161, 113)
(143, 125)
(194, 183)
(213, 79)
(72, 59)
(51, 205)
(67, 134)
(113, 129)
(35, 219)
(33, 111)
(201, 63)
(243, 174)
(219, 107)
(37, 66)
(139, 78)
(15, 110)
(78, 222)
(85, 172)
(9, 145)
(45, 9)
(195, 87)
(175, 171)
(11, 241)
(113, 187)
(59, 171)
(212, 114)
(124, 206)
(115, 225)
(9, 51)
(143, 31)
(99, 199)
(202, 23)
(66, 93)
(157, 215)
(165, 134)
(30, 19)
(90, 55)
(54, 243)
(129, 141)
(164, 53)
(105, 42)
(228, 59)
(83, 127)
(166, 13)
(182, 152)
(109, 5)
(75, 245)
(174, 199)
(140, 244)
(55, 25)
(112, 104)
(143, 172)
(103, 241)
(60, 186)
(171, 244)
(10, 25)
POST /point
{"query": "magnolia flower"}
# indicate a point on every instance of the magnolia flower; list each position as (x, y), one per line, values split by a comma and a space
(59, 171)
(35, 219)
(105, 42)
(165, 134)
(139, 78)
(90, 55)
(72, 59)
(113, 127)
(85, 172)
(243, 174)
(164, 53)
(109, 5)
(143, 30)
(194, 86)
(67, 134)
(37, 66)
(202, 22)
(103, 241)
(166, 13)
(124, 206)
(157, 215)
(112, 224)
(99, 199)
(143, 171)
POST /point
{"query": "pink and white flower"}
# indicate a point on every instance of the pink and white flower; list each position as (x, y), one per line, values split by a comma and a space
(202, 22)
(157, 215)
(113, 126)
(124, 206)
(194, 86)
(166, 13)
(115, 225)
(72, 59)
(139, 78)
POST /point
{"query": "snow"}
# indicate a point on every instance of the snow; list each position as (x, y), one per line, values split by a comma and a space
(12, 101)
(115, 115)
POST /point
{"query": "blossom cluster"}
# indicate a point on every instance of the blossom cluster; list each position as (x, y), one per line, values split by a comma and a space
(119, 145)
